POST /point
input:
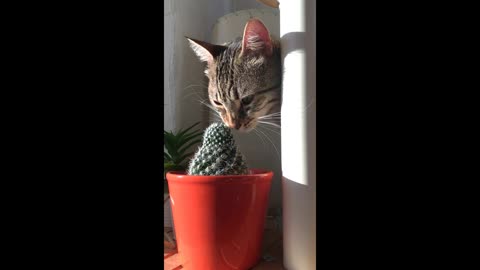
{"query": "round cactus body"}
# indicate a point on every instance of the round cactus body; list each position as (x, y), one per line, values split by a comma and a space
(219, 155)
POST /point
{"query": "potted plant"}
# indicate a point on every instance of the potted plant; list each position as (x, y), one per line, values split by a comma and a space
(219, 205)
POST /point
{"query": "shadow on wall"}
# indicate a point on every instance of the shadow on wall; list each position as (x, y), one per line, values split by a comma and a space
(297, 38)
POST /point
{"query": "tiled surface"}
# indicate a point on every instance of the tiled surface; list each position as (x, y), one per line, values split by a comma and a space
(272, 246)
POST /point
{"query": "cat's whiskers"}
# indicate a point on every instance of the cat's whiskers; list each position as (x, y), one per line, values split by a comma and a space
(276, 114)
(268, 138)
(270, 123)
(270, 129)
(263, 141)
(198, 91)
(208, 105)
(271, 116)
(215, 112)
(195, 85)
(217, 117)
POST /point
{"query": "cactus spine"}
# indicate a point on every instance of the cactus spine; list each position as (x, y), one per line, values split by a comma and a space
(219, 155)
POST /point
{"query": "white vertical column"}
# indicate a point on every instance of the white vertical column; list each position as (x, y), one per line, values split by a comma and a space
(298, 38)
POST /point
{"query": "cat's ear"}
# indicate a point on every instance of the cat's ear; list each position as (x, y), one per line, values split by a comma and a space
(204, 50)
(256, 38)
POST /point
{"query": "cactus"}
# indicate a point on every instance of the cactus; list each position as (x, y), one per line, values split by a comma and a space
(219, 155)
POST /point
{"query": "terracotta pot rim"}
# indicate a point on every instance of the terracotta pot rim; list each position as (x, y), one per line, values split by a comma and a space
(182, 176)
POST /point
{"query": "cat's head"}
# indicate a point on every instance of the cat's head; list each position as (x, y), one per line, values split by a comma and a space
(244, 76)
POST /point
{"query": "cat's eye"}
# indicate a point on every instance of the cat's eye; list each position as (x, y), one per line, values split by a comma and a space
(247, 100)
(217, 103)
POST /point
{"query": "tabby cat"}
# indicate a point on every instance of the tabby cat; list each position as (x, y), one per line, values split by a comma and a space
(244, 75)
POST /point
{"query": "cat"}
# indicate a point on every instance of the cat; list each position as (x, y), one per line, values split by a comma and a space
(244, 75)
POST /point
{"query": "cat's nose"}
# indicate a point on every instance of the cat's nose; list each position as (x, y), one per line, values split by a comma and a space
(234, 124)
(230, 124)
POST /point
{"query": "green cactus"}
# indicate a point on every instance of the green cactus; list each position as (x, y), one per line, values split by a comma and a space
(219, 155)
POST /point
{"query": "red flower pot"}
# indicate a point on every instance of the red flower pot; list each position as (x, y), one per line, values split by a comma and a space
(219, 220)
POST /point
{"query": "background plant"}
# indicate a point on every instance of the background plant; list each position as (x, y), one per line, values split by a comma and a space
(176, 146)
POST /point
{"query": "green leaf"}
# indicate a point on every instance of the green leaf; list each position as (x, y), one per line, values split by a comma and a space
(167, 156)
(183, 149)
(172, 167)
(180, 160)
(170, 144)
(181, 132)
(188, 134)
(176, 144)
(185, 140)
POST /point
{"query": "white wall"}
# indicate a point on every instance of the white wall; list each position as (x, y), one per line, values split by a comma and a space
(247, 4)
(168, 83)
